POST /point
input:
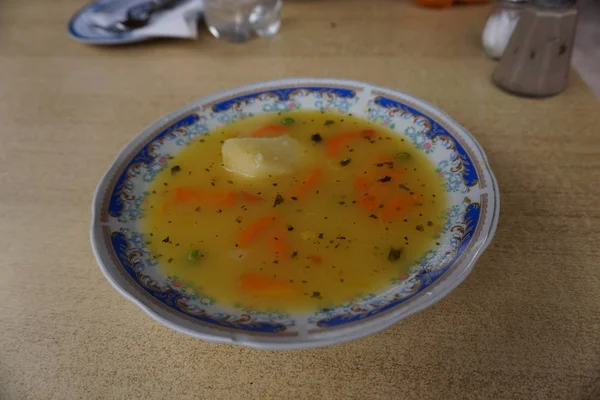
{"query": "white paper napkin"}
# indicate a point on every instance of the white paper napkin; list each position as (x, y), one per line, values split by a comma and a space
(179, 22)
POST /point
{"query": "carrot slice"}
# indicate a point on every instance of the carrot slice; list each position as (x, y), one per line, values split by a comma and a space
(250, 233)
(367, 202)
(255, 283)
(188, 195)
(337, 143)
(250, 197)
(270, 130)
(397, 204)
(308, 183)
(371, 194)
(192, 195)
(396, 174)
(224, 199)
(363, 183)
(315, 259)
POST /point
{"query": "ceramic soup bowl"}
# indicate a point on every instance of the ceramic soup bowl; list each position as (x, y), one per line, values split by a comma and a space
(470, 219)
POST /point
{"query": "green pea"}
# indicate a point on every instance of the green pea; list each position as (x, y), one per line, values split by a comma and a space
(193, 255)
(288, 121)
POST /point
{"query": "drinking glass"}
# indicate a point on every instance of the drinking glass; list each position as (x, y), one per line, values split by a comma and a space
(239, 20)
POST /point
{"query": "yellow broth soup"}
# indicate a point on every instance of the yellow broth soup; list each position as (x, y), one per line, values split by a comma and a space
(293, 211)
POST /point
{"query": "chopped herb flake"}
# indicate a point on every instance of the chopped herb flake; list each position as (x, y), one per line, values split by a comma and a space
(175, 169)
(278, 200)
(288, 121)
(345, 162)
(316, 138)
(385, 179)
(329, 122)
(394, 254)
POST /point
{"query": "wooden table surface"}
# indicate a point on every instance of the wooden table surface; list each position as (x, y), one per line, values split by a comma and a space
(524, 325)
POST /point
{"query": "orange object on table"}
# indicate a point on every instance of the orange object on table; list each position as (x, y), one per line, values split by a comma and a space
(446, 3)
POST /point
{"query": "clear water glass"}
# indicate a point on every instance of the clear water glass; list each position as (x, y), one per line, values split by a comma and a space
(239, 20)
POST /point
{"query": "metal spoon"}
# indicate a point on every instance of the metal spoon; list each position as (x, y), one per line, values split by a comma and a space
(139, 15)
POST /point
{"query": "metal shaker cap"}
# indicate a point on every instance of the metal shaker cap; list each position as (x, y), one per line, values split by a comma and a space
(554, 3)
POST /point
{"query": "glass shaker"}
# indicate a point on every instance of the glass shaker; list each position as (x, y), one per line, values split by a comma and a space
(500, 25)
(538, 57)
